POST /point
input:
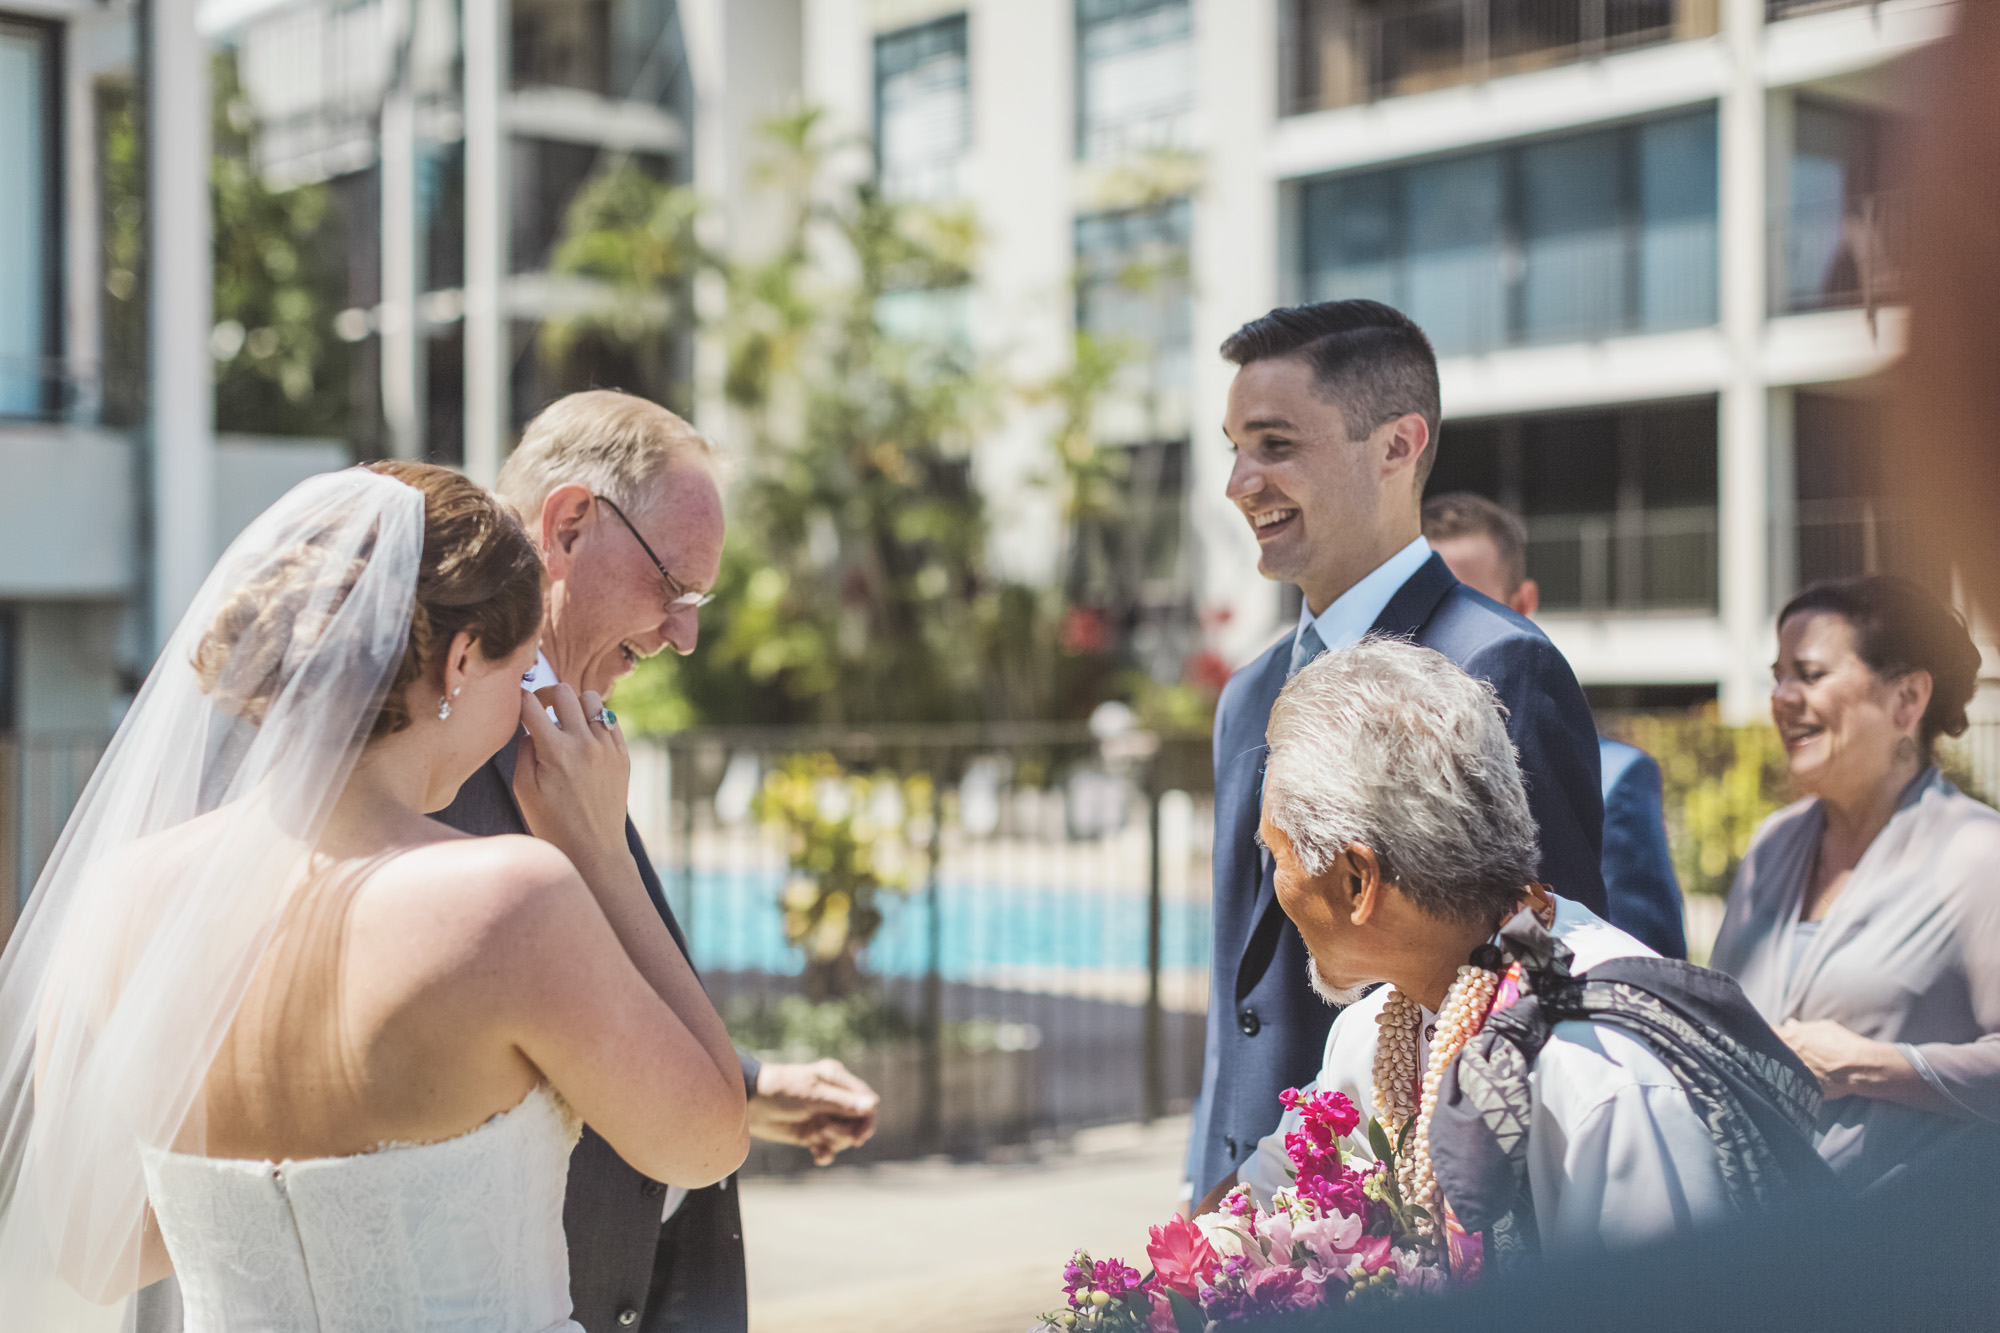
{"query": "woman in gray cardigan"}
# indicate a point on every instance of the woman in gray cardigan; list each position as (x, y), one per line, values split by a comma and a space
(1865, 920)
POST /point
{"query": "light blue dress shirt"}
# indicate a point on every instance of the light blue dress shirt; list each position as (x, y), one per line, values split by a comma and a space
(1354, 612)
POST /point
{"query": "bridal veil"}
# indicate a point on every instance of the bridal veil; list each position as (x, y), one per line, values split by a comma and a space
(143, 931)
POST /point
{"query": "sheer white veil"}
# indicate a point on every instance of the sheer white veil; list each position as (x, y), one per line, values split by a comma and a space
(141, 936)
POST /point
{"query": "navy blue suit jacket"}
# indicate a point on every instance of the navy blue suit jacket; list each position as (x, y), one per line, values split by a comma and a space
(1639, 880)
(1266, 1028)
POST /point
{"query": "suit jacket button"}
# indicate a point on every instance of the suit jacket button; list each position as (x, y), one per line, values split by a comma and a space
(1250, 1024)
(628, 1317)
(1230, 1145)
(652, 1189)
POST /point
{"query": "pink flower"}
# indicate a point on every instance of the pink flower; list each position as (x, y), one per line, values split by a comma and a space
(1276, 1290)
(1161, 1320)
(1329, 1239)
(1183, 1260)
(1374, 1252)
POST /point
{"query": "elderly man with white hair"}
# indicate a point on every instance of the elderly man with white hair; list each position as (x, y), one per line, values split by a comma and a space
(1553, 1083)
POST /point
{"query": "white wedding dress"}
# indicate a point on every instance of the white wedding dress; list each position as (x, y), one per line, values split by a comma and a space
(461, 1236)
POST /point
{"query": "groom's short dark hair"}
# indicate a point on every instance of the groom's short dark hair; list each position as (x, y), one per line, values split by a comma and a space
(1368, 359)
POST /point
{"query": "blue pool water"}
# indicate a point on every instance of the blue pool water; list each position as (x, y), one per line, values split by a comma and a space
(734, 924)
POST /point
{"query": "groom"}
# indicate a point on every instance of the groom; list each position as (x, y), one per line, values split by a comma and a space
(1334, 417)
(621, 498)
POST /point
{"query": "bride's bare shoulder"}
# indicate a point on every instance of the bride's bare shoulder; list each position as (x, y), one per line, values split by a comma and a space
(481, 890)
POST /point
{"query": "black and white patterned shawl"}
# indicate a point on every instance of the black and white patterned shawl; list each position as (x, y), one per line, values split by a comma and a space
(1758, 1101)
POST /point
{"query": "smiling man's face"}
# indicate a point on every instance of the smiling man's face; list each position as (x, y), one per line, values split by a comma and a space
(1312, 495)
(608, 605)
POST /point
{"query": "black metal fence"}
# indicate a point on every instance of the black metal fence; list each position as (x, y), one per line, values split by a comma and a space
(1043, 966)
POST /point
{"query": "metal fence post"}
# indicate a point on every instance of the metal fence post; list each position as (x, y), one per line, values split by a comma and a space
(1155, 1031)
(930, 1105)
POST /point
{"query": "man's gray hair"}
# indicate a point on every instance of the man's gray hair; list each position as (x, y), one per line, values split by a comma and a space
(615, 443)
(1394, 747)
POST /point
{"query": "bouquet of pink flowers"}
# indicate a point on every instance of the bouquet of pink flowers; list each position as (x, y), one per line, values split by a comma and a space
(1338, 1233)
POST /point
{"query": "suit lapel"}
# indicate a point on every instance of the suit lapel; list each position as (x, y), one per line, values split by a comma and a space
(1408, 611)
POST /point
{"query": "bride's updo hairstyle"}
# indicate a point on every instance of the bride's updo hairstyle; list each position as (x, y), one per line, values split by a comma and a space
(480, 574)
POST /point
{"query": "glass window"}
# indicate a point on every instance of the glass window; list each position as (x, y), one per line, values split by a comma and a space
(1455, 281)
(1679, 273)
(1135, 76)
(1572, 237)
(1837, 227)
(923, 108)
(1353, 237)
(27, 202)
(1620, 503)
(1132, 293)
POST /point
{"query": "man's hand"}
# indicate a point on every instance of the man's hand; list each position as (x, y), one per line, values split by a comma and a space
(819, 1106)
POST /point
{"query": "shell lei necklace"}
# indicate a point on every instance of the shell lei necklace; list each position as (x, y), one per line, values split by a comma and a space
(1399, 1097)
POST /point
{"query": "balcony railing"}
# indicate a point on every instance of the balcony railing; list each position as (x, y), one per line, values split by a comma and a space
(1784, 9)
(1349, 51)
(1836, 259)
(1650, 560)
(48, 389)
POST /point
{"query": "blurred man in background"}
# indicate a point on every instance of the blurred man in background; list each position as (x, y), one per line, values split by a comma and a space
(1487, 550)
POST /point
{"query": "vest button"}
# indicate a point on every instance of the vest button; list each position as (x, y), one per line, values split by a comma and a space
(1249, 1023)
(652, 1189)
(628, 1317)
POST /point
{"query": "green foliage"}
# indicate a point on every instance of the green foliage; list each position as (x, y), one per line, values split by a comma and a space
(122, 219)
(1720, 783)
(794, 1027)
(279, 370)
(848, 839)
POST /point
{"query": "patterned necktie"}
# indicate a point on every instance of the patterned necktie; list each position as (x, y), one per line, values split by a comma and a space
(1305, 648)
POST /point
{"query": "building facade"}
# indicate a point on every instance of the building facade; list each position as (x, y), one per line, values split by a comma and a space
(1652, 240)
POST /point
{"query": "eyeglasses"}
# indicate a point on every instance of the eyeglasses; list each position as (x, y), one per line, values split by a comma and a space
(679, 596)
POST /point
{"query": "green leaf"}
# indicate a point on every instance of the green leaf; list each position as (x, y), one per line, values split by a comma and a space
(1187, 1315)
(1403, 1138)
(1378, 1139)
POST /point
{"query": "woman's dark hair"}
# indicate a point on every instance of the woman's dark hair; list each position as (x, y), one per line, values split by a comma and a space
(1900, 627)
(479, 573)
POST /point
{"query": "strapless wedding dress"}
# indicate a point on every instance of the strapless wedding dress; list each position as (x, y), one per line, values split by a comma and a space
(462, 1236)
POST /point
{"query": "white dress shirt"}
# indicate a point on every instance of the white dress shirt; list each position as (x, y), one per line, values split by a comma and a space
(1616, 1155)
(1353, 613)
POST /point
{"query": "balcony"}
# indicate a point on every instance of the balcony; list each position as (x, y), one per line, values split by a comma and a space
(1344, 52)
(1839, 257)
(1784, 9)
(1644, 560)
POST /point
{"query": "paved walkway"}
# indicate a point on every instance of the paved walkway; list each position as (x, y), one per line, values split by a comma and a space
(975, 1249)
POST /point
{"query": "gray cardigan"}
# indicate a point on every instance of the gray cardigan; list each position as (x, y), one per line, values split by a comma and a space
(1910, 953)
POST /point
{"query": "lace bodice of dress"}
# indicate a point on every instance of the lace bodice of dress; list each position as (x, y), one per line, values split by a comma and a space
(447, 1237)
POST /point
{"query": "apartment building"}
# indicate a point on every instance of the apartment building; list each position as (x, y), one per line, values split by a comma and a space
(1653, 241)
(117, 493)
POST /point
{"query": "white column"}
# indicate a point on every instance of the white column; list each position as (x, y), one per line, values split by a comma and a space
(1744, 422)
(403, 377)
(486, 336)
(182, 390)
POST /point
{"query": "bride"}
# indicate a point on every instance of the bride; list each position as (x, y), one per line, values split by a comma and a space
(267, 1026)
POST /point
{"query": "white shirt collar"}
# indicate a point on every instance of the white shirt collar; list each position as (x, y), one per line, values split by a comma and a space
(1355, 611)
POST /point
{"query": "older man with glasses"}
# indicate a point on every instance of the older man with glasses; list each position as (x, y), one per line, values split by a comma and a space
(620, 496)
